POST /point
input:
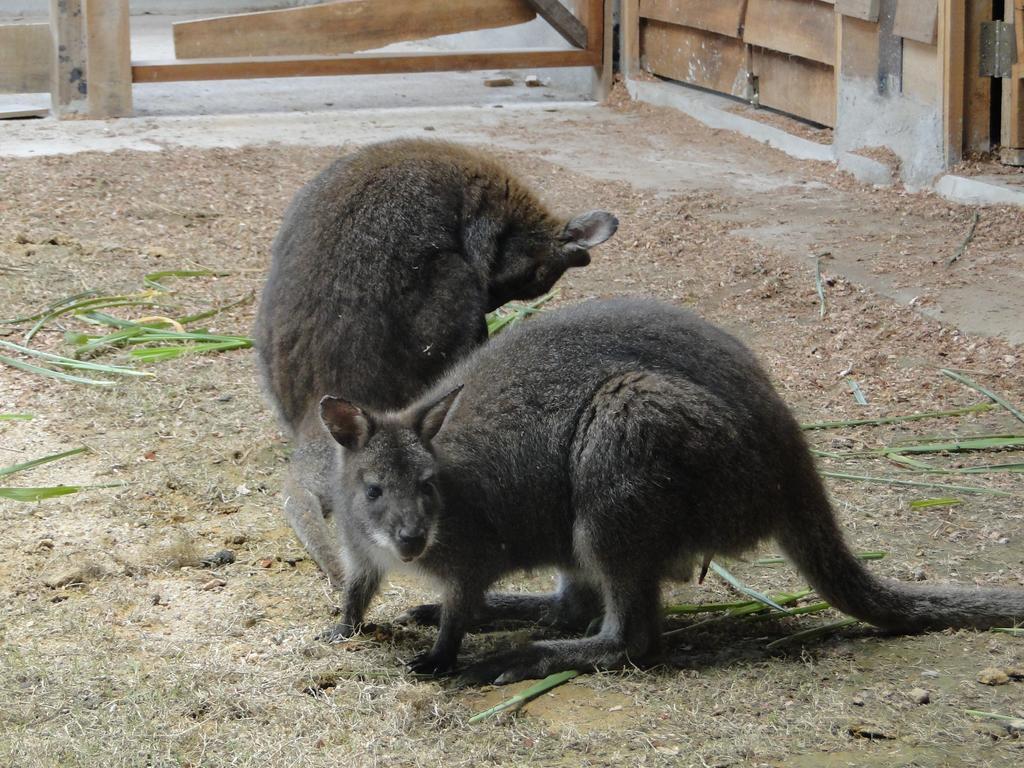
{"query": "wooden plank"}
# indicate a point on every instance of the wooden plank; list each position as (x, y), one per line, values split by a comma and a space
(724, 17)
(803, 28)
(25, 53)
(859, 48)
(917, 20)
(921, 72)
(341, 26)
(68, 85)
(695, 56)
(562, 20)
(597, 18)
(356, 64)
(977, 89)
(629, 32)
(865, 10)
(1013, 88)
(109, 58)
(952, 39)
(798, 86)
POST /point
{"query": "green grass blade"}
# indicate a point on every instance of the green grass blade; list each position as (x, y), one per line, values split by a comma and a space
(512, 313)
(914, 483)
(986, 468)
(906, 461)
(993, 443)
(1012, 631)
(152, 279)
(521, 698)
(251, 296)
(782, 599)
(16, 417)
(40, 494)
(687, 609)
(50, 307)
(967, 382)
(67, 362)
(991, 715)
(743, 588)
(976, 408)
(814, 632)
(926, 503)
(37, 494)
(801, 611)
(855, 390)
(37, 462)
(29, 368)
(100, 302)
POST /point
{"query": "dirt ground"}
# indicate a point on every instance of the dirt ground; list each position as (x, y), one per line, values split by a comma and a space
(121, 648)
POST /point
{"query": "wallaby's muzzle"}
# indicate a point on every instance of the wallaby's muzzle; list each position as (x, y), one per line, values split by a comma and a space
(410, 541)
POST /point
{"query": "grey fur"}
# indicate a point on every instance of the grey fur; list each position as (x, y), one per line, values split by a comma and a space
(621, 442)
(382, 273)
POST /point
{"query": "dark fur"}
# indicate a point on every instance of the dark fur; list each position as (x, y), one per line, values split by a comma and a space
(382, 273)
(621, 442)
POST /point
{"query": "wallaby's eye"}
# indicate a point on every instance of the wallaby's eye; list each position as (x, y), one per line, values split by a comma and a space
(374, 492)
(427, 486)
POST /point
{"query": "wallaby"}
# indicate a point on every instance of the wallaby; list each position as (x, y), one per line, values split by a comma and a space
(382, 273)
(622, 442)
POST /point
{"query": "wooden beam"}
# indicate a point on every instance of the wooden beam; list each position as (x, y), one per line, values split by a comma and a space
(804, 28)
(798, 86)
(918, 20)
(25, 58)
(865, 10)
(342, 26)
(68, 85)
(356, 64)
(562, 20)
(697, 57)
(977, 89)
(109, 58)
(952, 39)
(1012, 132)
(724, 17)
(629, 34)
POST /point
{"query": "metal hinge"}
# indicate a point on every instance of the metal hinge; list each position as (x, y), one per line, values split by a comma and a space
(998, 49)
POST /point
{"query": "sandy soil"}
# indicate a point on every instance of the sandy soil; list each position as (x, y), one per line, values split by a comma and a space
(146, 657)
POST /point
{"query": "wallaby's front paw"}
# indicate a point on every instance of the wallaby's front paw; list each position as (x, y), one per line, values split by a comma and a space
(429, 663)
(427, 615)
(339, 632)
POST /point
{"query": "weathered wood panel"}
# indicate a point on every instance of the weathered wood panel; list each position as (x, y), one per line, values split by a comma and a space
(724, 17)
(25, 53)
(859, 48)
(342, 26)
(804, 28)
(917, 20)
(865, 10)
(921, 71)
(694, 56)
(109, 58)
(798, 86)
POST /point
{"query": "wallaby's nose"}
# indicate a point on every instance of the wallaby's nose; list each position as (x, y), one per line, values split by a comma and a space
(411, 541)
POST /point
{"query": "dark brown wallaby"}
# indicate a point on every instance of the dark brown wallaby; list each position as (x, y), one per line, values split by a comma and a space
(382, 273)
(621, 442)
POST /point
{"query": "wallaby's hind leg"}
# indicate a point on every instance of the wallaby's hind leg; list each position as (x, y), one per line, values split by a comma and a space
(306, 500)
(570, 608)
(630, 634)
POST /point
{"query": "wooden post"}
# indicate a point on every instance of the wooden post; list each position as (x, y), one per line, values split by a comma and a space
(109, 58)
(1013, 92)
(597, 17)
(977, 89)
(951, 41)
(629, 37)
(68, 84)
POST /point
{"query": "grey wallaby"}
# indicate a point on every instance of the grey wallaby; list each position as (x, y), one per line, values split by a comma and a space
(623, 442)
(382, 273)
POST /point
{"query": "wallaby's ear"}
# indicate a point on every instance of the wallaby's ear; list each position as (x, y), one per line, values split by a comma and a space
(347, 423)
(589, 229)
(431, 417)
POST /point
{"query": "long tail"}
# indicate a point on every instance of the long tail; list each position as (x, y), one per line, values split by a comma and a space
(813, 540)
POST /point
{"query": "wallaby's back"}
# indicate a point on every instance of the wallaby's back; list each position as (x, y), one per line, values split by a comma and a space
(373, 289)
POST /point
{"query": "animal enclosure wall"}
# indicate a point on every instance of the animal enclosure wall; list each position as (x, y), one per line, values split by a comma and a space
(905, 74)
